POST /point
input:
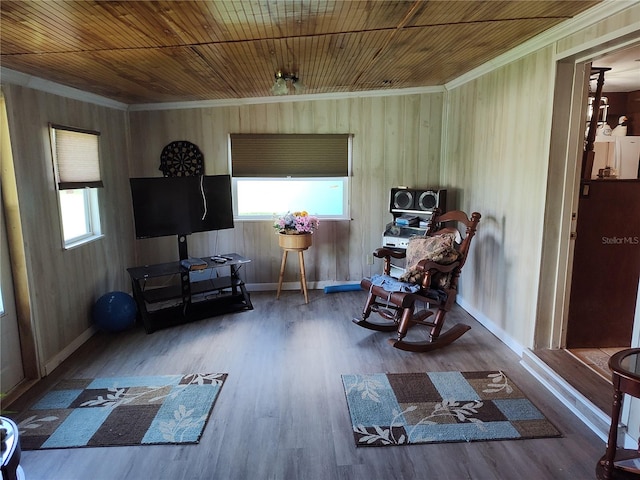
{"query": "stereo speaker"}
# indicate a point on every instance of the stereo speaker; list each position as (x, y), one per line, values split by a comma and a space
(427, 200)
(402, 199)
(408, 199)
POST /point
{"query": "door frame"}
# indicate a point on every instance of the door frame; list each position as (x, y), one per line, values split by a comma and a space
(563, 188)
(12, 372)
(12, 217)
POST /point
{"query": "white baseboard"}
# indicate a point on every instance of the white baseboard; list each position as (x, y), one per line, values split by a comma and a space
(490, 325)
(578, 404)
(66, 353)
(596, 420)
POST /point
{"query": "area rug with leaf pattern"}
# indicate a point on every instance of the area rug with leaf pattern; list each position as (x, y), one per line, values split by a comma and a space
(117, 411)
(437, 407)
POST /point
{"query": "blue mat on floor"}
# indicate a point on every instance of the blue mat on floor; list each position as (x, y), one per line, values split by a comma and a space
(437, 407)
(117, 411)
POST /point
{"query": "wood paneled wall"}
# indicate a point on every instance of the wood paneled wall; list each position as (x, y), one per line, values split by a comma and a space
(396, 142)
(496, 144)
(497, 153)
(64, 284)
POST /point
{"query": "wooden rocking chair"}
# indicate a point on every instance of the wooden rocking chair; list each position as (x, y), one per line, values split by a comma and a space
(433, 265)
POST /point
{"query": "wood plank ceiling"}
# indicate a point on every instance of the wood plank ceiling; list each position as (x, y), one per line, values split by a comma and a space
(168, 51)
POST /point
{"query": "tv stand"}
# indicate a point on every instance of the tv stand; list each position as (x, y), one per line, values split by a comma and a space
(183, 251)
(193, 298)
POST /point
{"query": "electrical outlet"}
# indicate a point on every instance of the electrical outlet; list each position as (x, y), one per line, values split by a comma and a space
(369, 259)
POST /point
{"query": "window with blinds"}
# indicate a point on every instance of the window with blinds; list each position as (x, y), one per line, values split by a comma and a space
(276, 173)
(294, 155)
(76, 158)
(76, 165)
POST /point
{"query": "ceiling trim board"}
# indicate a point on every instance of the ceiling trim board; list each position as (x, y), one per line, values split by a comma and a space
(234, 102)
(47, 86)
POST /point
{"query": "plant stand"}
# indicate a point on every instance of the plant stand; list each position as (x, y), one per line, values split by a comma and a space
(294, 243)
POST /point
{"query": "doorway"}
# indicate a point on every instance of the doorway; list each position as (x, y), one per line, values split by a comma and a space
(561, 215)
(603, 292)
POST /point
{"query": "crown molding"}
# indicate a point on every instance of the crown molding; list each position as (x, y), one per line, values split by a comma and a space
(605, 9)
(37, 83)
(236, 102)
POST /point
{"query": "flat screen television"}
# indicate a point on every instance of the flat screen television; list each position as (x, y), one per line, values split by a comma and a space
(164, 206)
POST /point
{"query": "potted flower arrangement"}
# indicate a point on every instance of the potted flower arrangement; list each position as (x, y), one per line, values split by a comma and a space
(296, 223)
(295, 229)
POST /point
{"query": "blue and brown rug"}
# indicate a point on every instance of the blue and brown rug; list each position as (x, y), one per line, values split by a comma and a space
(100, 412)
(438, 407)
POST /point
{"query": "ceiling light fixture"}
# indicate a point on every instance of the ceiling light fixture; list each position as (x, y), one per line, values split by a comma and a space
(280, 86)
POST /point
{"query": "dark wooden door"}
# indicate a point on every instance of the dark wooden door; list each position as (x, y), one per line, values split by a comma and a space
(606, 265)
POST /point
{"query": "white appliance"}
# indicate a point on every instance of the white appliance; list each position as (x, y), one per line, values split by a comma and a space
(627, 156)
(620, 153)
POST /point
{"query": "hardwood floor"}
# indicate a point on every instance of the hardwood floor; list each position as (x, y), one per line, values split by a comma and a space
(597, 389)
(282, 413)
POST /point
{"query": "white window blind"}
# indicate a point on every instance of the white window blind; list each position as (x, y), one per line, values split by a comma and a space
(76, 158)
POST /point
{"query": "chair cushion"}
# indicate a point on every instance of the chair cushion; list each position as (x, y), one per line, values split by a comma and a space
(437, 248)
(391, 284)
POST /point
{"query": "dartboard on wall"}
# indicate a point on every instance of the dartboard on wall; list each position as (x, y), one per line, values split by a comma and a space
(181, 159)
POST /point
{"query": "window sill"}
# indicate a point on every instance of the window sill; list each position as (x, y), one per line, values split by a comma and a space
(83, 241)
(263, 219)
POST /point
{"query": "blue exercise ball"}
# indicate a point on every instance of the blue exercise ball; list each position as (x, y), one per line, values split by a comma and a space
(115, 312)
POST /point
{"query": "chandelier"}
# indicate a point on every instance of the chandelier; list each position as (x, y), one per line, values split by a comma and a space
(280, 85)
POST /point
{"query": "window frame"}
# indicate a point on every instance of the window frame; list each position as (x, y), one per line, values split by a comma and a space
(345, 180)
(93, 228)
(90, 193)
(346, 207)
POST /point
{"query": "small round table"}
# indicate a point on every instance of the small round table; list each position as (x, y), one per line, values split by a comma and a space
(618, 463)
